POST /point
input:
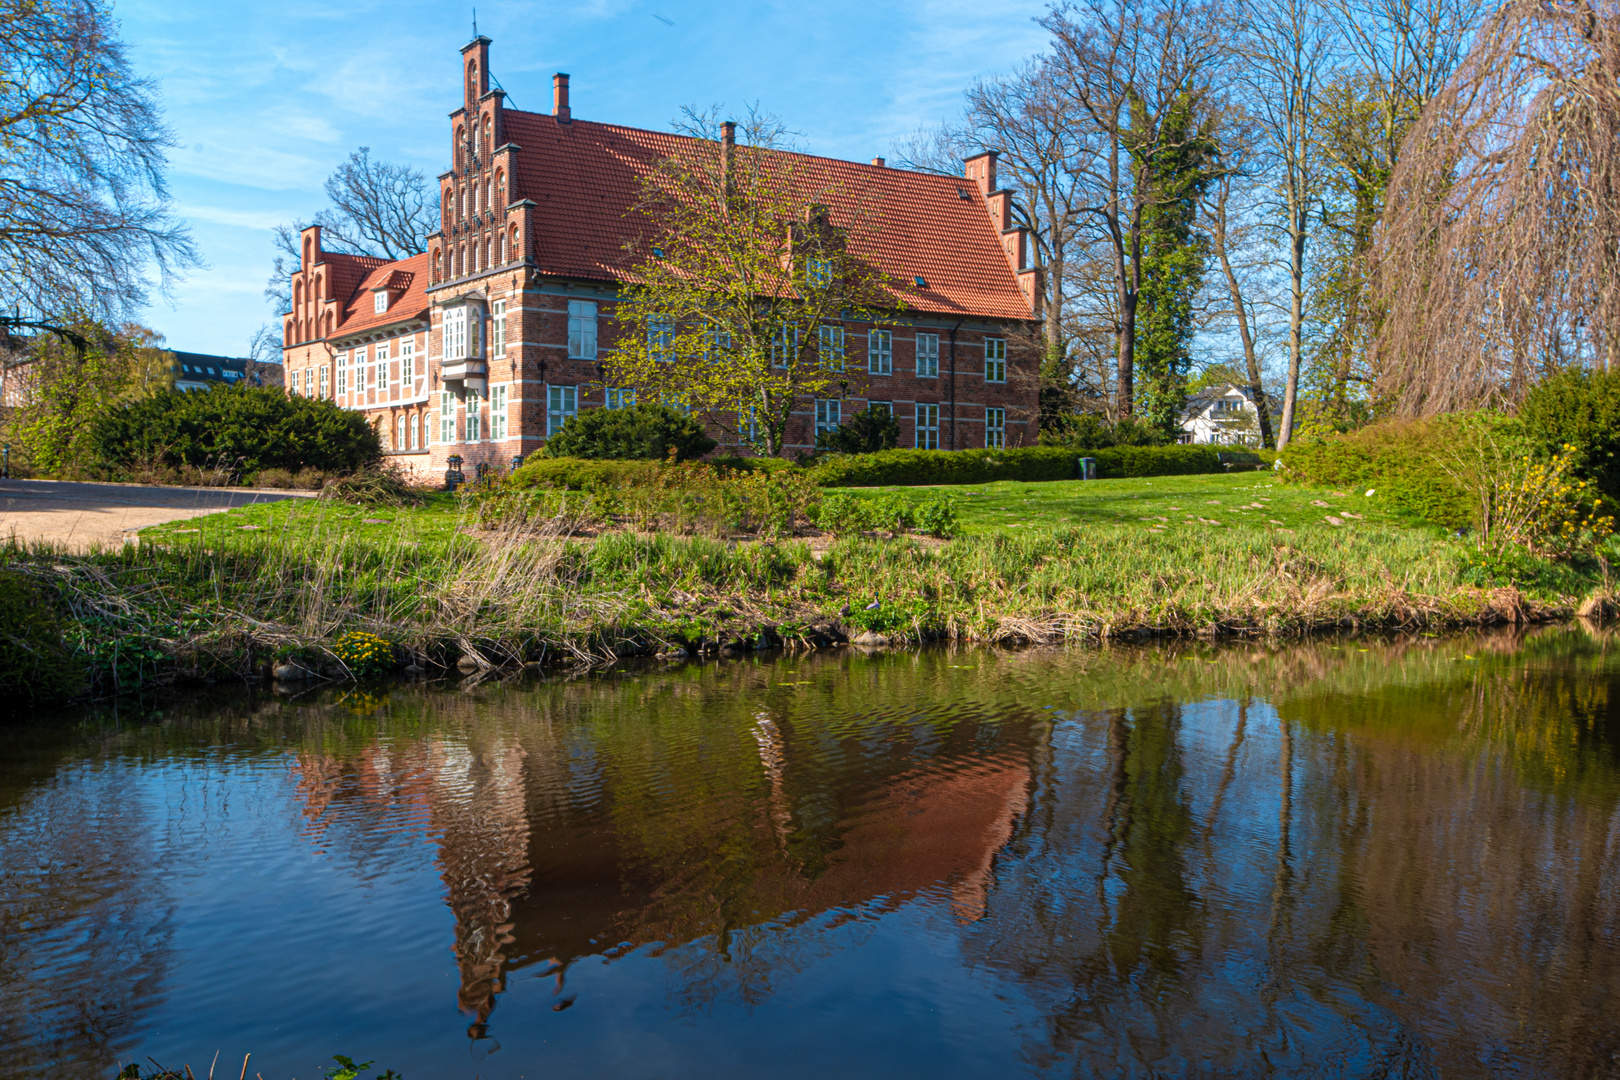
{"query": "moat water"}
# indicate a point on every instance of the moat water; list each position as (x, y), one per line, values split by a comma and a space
(1352, 858)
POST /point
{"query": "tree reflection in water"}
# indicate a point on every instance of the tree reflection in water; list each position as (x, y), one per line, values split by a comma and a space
(1392, 859)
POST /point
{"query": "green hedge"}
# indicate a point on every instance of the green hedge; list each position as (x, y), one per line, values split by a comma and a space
(591, 474)
(1395, 458)
(913, 467)
(243, 429)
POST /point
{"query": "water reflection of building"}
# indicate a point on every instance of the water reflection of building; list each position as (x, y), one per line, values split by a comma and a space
(553, 847)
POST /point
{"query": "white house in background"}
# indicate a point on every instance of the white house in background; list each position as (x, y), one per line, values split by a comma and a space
(1223, 415)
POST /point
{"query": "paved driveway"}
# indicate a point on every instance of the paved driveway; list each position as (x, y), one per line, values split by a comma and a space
(80, 516)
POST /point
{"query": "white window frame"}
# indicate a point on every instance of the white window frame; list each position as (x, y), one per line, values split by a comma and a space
(926, 435)
(497, 412)
(342, 386)
(407, 360)
(380, 357)
(474, 426)
(880, 352)
(416, 429)
(454, 333)
(927, 356)
(379, 301)
(497, 328)
(995, 360)
(830, 346)
(323, 382)
(829, 415)
(995, 427)
(582, 330)
(360, 367)
(399, 438)
(619, 397)
(562, 402)
(447, 417)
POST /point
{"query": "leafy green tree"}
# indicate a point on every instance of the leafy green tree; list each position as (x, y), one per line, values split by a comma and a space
(751, 265)
(1174, 162)
(655, 432)
(67, 381)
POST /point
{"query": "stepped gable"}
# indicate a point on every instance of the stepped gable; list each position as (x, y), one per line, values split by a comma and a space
(407, 281)
(585, 177)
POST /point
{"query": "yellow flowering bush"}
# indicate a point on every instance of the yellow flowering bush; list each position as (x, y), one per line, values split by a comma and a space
(364, 654)
(1522, 499)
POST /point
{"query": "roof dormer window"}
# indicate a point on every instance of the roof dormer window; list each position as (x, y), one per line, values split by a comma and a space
(379, 301)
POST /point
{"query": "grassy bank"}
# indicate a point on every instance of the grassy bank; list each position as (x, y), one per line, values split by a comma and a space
(345, 592)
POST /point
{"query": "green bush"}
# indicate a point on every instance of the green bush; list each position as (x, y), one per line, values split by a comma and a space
(1396, 458)
(641, 432)
(936, 514)
(579, 474)
(1088, 431)
(36, 666)
(240, 430)
(842, 514)
(867, 432)
(914, 467)
(1579, 409)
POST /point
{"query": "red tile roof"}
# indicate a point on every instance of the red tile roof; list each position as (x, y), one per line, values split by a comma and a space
(585, 177)
(409, 275)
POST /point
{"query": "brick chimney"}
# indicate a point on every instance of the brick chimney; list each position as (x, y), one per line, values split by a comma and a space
(981, 168)
(559, 99)
(879, 162)
(728, 150)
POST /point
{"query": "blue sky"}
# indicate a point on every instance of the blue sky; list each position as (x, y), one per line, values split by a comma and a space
(266, 98)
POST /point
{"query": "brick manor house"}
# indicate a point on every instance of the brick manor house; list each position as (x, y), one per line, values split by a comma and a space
(490, 340)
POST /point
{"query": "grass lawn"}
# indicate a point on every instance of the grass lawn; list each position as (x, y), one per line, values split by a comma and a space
(1162, 503)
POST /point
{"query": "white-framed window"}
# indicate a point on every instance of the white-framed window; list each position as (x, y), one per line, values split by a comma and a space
(342, 376)
(455, 333)
(475, 417)
(407, 360)
(323, 382)
(497, 412)
(447, 417)
(831, 344)
(561, 403)
(399, 441)
(661, 337)
(784, 345)
(360, 369)
(582, 329)
(379, 301)
(880, 352)
(885, 407)
(829, 414)
(497, 328)
(381, 379)
(416, 427)
(995, 428)
(995, 359)
(927, 425)
(927, 356)
(748, 425)
(619, 397)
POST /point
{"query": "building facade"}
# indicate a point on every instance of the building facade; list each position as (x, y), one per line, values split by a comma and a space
(1222, 416)
(491, 339)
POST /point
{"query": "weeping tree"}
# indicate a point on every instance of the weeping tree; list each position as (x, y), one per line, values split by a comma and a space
(1497, 259)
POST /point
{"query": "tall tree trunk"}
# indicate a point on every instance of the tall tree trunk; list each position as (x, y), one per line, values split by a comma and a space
(1240, 312)
(1296, 319)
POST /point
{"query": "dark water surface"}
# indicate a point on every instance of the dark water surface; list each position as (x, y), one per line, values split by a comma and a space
(1367, 859)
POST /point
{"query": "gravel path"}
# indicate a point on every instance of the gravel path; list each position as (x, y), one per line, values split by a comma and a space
(82, 516)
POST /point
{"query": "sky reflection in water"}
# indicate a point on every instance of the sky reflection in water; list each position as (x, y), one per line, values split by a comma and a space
(1351, 859)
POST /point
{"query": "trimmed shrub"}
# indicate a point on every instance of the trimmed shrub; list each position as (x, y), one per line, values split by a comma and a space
(1397, 458)
(867, 432)
(1579, 409)
(916, 467)
(238, 430)
(1088, 431)
(641, 432)
(579, 474)
(36, 666)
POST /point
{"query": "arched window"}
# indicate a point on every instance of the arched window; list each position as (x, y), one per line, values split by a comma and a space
(461, 258)
(489, 134)
(309, 251)
(475, 200)
(461, 203)
(512, 247)
(287, 333)
(472, 80)
(500, 188)
(489, 253)
(298, 295)
(502, 252)
(317, 292)
(461, 147)
(438, 266)
(328, 324)
(475, 266)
